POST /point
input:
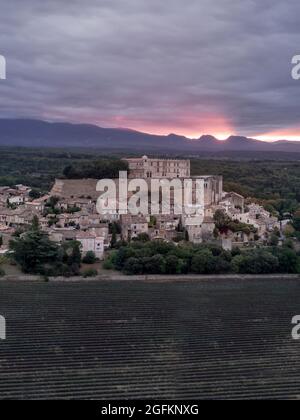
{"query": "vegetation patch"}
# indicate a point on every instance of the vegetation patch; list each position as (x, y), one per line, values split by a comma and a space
(158, 257)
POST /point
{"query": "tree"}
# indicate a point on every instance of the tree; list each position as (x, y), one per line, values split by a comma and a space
(289, 230)
(34, 194)
(296, 220)
(186, 235)
(288, 260)
(172, 265)
(35, 224)
(53, 201)
(122, 255)
(154, 265)
(237, 262)
(274, 240)
(220, 265)
(68, 172)
(34, 250)
(91, 272)
(133, 266)
(18, 232)
(202, 262)
(53, 221)
(72, 253)
(255, 262)
(110, 261)
(90, 258)
(113, 239)
(73, 209)
(224, 224)
(180, 227)
(114, 230)
(142, 237)
(221, 220)
(179, 237)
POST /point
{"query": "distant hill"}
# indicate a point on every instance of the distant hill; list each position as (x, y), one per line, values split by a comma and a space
(36, 133)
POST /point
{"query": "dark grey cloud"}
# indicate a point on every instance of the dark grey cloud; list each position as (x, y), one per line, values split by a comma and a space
(190, 67)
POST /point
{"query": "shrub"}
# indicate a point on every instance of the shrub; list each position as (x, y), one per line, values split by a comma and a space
(108, 264)
(274, 240)
(255, 262)
(90, 258)
(202, 262)
(172, 265)
(288, 260)
(91, 272)
(179, 237)
(4, 259)
(236, 263)
(142, 237)
(133, 266)
(221, 265)
(154, 265)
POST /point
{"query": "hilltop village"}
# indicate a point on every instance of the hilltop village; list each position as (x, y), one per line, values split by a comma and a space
(68, 213)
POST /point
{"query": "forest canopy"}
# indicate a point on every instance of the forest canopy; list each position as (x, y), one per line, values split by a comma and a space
(99, 169)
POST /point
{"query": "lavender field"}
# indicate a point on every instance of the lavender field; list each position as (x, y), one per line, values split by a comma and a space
(220, 339)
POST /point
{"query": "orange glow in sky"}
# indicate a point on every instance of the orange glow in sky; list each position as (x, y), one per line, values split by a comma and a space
(292, 134)
(185, 125)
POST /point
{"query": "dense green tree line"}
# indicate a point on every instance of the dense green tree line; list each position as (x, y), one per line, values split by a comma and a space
(97, 170)
(38, 168)
(260, 178)
(157, 257)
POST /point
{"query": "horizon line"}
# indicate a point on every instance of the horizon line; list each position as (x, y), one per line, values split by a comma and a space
(221, 137)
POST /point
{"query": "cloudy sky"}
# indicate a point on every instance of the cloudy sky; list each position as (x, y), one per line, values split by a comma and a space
(190, 67)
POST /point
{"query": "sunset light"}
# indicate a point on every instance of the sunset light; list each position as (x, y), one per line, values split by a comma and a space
(291, 134)
(185, 124)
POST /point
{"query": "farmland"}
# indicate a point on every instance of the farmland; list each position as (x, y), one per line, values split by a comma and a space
(223, 338)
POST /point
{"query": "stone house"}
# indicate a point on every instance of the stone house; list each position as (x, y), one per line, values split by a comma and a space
(133, 226)
(91, 242)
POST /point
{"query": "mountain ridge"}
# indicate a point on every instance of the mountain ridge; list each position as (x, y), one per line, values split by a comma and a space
(40, 133)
